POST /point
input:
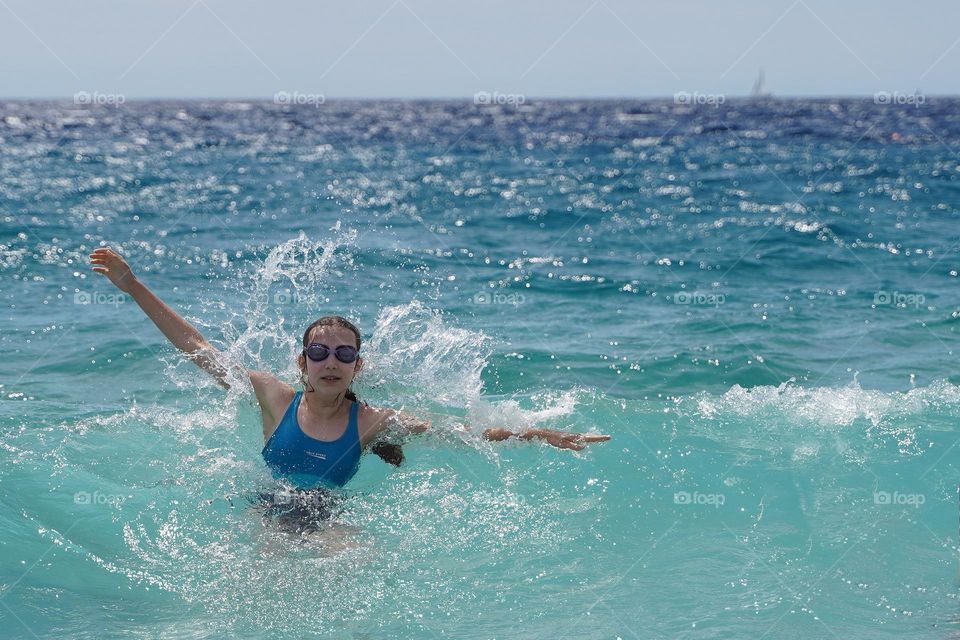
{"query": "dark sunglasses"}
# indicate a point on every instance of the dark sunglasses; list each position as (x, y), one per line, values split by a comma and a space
(319, 352)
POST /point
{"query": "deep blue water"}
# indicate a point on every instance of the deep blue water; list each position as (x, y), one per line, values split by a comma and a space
(757, 300)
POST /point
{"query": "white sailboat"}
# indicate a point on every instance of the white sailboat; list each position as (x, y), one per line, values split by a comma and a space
(760, 87)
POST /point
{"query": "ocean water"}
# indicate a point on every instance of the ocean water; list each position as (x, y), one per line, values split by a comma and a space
(757, 300)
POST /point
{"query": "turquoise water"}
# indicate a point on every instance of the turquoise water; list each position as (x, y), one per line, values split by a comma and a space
(757, 301)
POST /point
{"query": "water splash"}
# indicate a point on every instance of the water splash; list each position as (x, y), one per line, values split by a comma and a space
(415, 357)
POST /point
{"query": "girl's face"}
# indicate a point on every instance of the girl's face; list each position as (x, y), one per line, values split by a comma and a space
(331, 376)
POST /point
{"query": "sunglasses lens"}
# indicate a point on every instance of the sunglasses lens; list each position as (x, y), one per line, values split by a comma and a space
(346, 354)
(317, 352)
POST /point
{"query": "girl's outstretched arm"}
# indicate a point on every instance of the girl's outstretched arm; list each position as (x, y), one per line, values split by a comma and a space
(559, 439)
(403, 424)
(181, 333)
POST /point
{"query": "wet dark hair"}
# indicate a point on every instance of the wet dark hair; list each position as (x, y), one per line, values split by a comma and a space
(389, 453)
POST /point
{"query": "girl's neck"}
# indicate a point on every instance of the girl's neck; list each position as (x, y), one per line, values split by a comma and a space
(324, 408)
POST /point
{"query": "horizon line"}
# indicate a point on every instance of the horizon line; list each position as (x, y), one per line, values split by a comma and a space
(472, 98)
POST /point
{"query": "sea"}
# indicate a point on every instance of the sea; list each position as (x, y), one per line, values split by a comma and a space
(757, 299)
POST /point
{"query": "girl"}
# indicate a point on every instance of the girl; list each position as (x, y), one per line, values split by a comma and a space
(303, 431)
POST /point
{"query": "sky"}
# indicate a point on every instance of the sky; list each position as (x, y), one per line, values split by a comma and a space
(456, 48)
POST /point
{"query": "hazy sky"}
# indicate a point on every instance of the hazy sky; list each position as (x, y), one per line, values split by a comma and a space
(439, 48)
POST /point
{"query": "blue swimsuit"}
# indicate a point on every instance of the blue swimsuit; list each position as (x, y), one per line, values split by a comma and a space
(307, 462)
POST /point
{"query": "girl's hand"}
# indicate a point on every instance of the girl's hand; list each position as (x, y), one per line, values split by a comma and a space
(114, 267)
(570, 439)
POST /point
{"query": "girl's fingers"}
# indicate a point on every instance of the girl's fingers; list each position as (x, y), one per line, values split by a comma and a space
(587, 437)
(570, 442)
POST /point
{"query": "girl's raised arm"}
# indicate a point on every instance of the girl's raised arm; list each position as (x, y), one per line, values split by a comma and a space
(181, 333)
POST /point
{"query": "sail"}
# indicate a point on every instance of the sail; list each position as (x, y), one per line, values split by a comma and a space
(760, 87)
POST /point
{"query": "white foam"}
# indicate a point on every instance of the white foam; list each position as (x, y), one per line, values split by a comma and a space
(825, 406)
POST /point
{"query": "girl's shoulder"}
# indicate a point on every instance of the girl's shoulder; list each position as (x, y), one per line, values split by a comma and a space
(371, 421)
